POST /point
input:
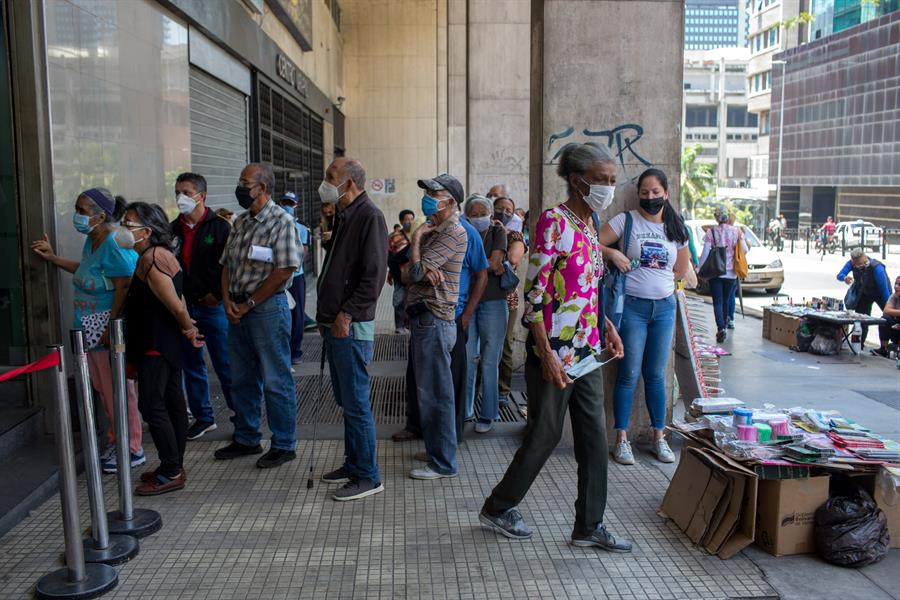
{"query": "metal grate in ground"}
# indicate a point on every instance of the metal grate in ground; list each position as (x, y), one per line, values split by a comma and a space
(388, 347)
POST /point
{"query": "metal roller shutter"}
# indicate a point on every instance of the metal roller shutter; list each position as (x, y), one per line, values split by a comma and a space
(219, 137)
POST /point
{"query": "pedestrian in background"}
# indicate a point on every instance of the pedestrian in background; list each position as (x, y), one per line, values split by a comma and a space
(721, 287)
(157, 322)
(568, 333)
(437, 253)
(659, 246)
(288, 203)
(407, 218)
(889, 331)
(871, 279)
(326, 224)
(348, 288)
(260, 258)
(398, 255)
(487, 329)
(201, 237)
(515, 251)
(100, 283)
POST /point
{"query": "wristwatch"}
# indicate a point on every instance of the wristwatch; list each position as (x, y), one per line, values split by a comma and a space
(251, 303)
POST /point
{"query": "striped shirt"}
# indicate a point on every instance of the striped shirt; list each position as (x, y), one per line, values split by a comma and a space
(441, 251)
(272, 229)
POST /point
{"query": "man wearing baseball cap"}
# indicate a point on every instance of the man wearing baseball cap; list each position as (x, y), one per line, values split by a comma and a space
(437, 250)
(288, 202)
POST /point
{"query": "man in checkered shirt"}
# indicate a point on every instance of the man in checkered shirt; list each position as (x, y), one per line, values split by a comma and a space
(260, 257)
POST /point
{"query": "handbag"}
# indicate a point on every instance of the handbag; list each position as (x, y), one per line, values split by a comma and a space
(715, 261)
(741, 267)
(614, 280)
(508, 279)
(852, 297)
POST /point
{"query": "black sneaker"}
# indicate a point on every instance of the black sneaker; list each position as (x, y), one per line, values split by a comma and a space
(721, 335)
(880, 352)
(729, 325)
(601, 538)
(236, 450)
(509, 523)
(356, 489)
(337, 476)
(275, 458)
(197, 430)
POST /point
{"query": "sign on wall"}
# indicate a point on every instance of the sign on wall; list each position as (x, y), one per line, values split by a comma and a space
(382, 186)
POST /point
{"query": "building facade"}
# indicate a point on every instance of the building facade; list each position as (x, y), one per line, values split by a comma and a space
(841, 142)
(710, 24)
(834, 16)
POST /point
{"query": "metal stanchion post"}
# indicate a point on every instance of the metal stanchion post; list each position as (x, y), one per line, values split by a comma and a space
(883, 244)
(139, 522)
(793, 237)
(101, 547)
(844, 241)
(77, 579)
(808, 235)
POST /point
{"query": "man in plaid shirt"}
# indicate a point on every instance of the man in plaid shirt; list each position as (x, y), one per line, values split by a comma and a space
(261, 256)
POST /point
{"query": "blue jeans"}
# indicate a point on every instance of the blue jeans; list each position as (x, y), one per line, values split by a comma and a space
(722, 289)
(298, 316)
(347, 360)
(260, 350)
(487, 334)
(213, 325)
(431, 342)
(644, 321)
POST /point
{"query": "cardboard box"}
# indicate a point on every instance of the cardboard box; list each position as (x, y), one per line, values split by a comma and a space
(712, 499)
(785, 514)
(783, 329)
(767, 324)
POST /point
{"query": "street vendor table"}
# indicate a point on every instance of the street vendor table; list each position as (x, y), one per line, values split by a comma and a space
(843, 320)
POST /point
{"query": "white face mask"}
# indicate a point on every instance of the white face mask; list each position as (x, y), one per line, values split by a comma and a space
(329, 193)
(480, 223)
(124, 238)
(186, 204)
(600, 196)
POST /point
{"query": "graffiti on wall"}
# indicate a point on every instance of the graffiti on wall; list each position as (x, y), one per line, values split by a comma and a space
(621, 140)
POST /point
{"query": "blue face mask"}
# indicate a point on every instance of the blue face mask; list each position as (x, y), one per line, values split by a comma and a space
(82, 223)
(288, 209)
(429, 205)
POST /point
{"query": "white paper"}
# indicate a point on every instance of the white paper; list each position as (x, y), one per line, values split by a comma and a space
(261, 253)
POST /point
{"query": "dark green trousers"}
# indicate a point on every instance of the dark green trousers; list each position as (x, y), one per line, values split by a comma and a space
(546, 416)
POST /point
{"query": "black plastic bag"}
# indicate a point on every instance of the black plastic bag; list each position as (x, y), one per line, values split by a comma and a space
(805, 334)
(828, 340)
(851, 531)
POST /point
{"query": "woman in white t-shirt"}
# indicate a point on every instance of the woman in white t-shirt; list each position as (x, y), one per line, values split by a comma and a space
(657, 255)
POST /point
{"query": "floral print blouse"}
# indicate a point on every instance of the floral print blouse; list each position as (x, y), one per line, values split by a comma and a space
(561, 289)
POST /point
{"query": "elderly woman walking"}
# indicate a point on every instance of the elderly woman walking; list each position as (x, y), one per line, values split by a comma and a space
(568, 334)
(722, 286)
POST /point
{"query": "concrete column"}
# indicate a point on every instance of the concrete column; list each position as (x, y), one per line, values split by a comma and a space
(457, 90)
(441, 40)
(592, 79)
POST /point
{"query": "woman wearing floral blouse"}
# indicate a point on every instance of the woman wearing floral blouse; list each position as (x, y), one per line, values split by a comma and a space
(568, 333)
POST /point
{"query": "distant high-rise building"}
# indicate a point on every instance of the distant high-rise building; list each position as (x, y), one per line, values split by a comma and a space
(710, 24)
(832, 16)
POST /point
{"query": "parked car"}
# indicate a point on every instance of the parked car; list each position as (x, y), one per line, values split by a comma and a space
(766, 271)
(851, 234)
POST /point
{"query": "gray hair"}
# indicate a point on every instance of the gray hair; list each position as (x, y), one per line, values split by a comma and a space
(857, 253)
(265, 175)
(577, 158)
(478, 199)
(355, 172)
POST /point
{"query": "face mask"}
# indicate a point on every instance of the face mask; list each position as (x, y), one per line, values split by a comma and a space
(243, 196)
(185, 203)
(82, 223)
(407, 226)
(288, 209)
(600, 196)
(429, 205)
(124, 238)
(329, 193)
(515, 224)
(653, 205)
(502, 217)
(480, 223)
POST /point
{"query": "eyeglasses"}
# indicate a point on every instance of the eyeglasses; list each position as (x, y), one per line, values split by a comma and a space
(131, 224)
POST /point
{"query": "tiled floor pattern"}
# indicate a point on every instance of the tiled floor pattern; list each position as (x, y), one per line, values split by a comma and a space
(237, 532)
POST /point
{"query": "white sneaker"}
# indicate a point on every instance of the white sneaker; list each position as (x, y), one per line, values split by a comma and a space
(663, 452)
(622, 454)
(427, 473)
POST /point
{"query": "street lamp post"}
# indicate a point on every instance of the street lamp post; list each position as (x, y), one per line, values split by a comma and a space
(780, 139)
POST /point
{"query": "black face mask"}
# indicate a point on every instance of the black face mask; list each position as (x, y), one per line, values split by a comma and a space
(653, 205)
(502, 217)
(243, 196)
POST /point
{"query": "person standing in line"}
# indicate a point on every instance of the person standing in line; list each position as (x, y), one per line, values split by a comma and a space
(488, 326)
(260, 258)
(568, 333)
(157, 322)
(728, 237)
(515, 252)
(398, 255)
(201, 236)
(100, 283)
(407, 218)
(351, 281)
(326, 224)
(437, 253)
(873, 281)
(659, 244)
(288, 203)
(472, 282)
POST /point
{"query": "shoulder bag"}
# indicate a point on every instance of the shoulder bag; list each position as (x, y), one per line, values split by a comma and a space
(614, 280)
(715, 261)
(741, 267)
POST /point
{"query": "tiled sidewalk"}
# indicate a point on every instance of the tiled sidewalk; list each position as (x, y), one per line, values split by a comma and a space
(237, 532)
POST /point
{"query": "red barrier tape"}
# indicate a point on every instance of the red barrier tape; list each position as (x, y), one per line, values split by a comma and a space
(51, 360)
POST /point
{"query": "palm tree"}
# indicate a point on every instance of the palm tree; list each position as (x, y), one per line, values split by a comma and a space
(697, 179)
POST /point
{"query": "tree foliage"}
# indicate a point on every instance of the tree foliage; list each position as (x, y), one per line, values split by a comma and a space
(697, 179)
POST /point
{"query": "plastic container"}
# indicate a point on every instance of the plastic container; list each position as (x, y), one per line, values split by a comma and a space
(742, 416)
(764, 432)
(747, 433)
